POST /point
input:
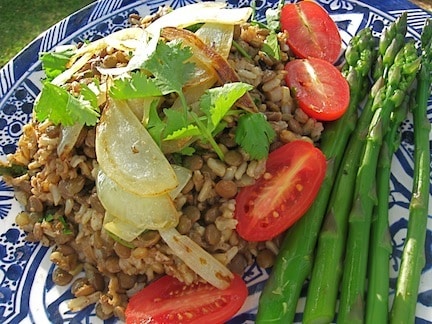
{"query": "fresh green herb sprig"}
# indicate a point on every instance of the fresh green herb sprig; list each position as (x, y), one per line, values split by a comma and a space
(55, 63)
(170, 70)
(59, 106)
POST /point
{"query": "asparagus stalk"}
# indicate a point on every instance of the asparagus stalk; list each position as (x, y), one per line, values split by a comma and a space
(400, 77)
(413, 259)
(380, 246)
(324, 285)
(279, 298)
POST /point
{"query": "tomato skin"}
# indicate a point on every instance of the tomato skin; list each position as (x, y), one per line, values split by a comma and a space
(311, 31)
(167, 300)
(319, 88)
(294, 173)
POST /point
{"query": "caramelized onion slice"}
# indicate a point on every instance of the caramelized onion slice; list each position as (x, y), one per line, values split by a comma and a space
(212, 59)
(129, 156)
(217, 36)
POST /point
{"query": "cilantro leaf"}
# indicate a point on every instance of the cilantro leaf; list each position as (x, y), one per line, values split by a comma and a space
(60, 107)
(177, 123)
(169, 67)
(254, 134)
(187, 131)
(216, 102)
(54, 63)
(155, 125)
(88, 95)
(139, 85)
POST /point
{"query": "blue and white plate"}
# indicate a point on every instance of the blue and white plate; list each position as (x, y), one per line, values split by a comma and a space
(27, 294)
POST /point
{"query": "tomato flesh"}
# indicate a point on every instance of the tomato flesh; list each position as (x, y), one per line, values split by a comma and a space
(167, 300)
(319, 88)
(294, 173)
(311, 31)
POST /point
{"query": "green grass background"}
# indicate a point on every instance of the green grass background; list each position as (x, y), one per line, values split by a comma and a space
(21, 21)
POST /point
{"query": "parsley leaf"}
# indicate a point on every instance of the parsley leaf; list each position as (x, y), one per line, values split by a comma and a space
(60, 107)
(139, 85)
(254, 134)
(54, 63)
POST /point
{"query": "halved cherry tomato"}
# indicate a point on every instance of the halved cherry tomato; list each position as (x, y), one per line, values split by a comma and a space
(311, 31)
(167, 300)
(294, 173)
(319, 88)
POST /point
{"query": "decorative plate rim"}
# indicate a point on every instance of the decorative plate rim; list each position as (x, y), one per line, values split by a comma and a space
(25, 65)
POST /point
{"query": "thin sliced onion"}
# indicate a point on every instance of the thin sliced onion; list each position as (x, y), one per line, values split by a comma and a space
(212, 59)
(153, 212)
(68, 138)
(183, 177)
(196, 258)
(122, 38)
(129, 156)
(198, 13)
(127, 226)
(142, 52)
(120, 228)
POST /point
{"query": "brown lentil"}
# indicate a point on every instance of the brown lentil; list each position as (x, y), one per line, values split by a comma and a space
(61, 277)
(211, 214)
(226, 188)
(192, 212)
(233, 158)
(212, 234)
(82, 287)
(265, 258)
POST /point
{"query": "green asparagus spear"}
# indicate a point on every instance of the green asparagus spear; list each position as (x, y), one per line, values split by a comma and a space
(279, 298)
(322, 294)
(380, 246)
(413, 259)
(400, 77)
(325, 278)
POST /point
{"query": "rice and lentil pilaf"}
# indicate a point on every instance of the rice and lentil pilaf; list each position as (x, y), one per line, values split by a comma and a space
(62, 209)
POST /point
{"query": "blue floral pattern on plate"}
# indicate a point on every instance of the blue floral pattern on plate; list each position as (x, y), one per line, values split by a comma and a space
(27, 293)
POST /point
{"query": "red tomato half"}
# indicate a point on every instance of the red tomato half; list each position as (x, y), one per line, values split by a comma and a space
(168, 300)
(294, 173)
(319, 88)
(311, 31)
